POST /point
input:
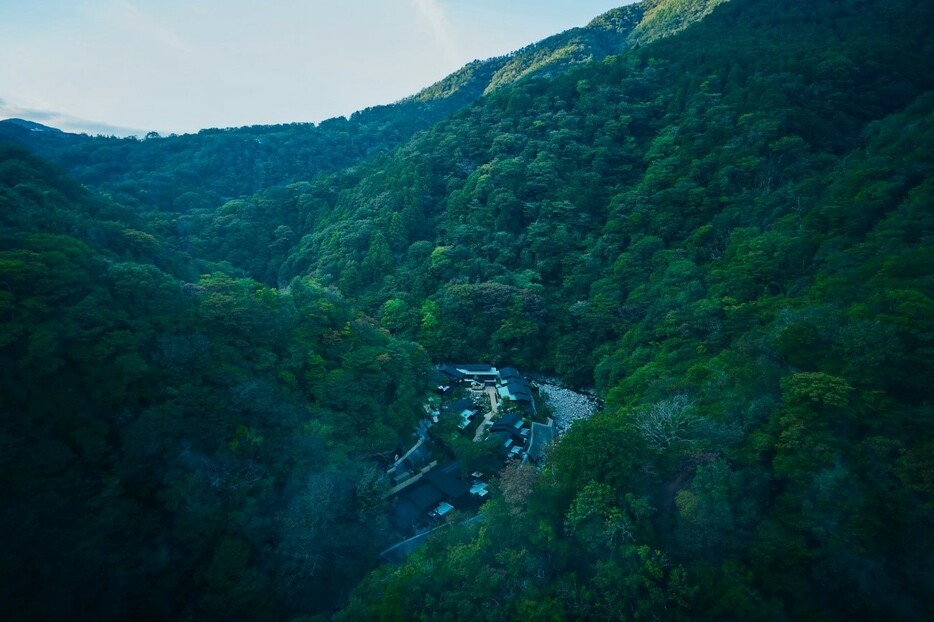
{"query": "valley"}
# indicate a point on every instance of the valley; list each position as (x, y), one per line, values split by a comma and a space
(231, 386)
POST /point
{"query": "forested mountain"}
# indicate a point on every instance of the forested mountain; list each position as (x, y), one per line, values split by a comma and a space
(726, 229)
(180, 174)
(175, 446)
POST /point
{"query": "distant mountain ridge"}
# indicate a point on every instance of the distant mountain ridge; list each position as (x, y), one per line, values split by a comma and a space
(606, 35)
(31, 125)
(219, 164)
(663, 18)
(726, 233)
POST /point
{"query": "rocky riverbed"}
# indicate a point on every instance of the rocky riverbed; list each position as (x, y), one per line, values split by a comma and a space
(568, 406)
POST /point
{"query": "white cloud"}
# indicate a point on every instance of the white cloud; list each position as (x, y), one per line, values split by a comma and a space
(435, 18)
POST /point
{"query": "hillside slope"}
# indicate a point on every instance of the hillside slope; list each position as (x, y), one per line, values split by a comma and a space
(176, 445)
(178, 174)
(726, 232)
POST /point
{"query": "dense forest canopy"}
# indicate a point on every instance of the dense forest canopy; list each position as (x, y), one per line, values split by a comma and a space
(716, 214)
(184, 173)
(167, 435)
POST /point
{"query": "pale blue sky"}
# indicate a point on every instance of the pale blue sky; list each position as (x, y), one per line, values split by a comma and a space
(130, 66)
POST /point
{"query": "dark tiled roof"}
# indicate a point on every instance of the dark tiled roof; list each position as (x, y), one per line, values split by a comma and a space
(451, 487)
(451, 372)
(441, 484)
(508, 433)
(504, 435)
(451, 468)
(521, 396)
(476, 367)
(462, 405)
(424, 496)
(509, 372)
(509, 421)
(518, 384)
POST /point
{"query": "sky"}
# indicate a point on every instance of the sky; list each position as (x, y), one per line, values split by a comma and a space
(132, 66)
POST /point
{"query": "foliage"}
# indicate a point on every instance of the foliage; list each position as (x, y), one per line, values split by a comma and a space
(727, 231)
(201, 448)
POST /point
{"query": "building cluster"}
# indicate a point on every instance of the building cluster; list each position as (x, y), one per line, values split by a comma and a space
(426, 492)
(439, 492)
(509, 383)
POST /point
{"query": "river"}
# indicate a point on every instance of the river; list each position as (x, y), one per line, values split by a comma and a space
(568, 405)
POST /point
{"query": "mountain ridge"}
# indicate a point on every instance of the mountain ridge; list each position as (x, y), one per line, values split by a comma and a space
(727, 232)
(606, 34)
(256, 157)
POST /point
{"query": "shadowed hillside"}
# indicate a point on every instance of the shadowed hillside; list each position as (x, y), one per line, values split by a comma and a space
(214, 346)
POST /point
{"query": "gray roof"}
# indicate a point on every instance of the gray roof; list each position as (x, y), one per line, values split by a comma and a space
(509, 372)
(441, 484)
(521, 396)
(461, 405)
(424, 495)
(518, 384)
(542, 436)
(451, 487)
(507, 421)
(477, 368)
(519, 389)
(451, 372)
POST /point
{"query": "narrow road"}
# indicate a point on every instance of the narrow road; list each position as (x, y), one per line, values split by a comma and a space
(494, 407)
(397, 553)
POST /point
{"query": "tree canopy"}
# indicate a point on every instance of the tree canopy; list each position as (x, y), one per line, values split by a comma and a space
(721, 223)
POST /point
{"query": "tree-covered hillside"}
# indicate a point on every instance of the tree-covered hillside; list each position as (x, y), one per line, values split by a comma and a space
(728, 231)
(566, 190)
(176, 447)
(181, 174)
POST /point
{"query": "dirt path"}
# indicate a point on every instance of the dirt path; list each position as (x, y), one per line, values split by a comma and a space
(494, 407)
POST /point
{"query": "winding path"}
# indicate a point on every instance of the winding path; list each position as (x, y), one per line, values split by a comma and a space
(494, 408)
